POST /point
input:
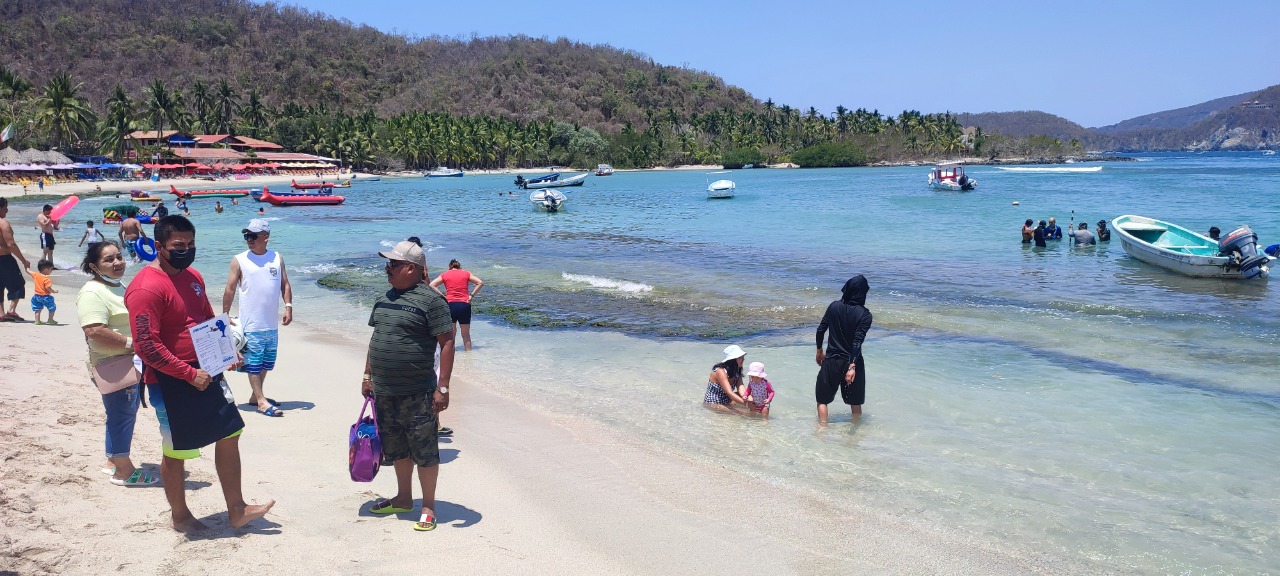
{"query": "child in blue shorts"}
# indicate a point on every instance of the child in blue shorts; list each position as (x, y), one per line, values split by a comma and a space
(44, 292)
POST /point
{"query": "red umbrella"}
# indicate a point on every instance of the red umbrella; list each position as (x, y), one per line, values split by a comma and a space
(218, 165)
(148, 166)
(199, 167)
(193, 165)
(237, 167)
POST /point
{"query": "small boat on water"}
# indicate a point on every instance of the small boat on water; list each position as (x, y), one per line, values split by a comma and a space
(951, 176)
(521, 181)
(720, 188)
(296, 199)
(548, 200)
(208, 193)
(315, 185)
(604, 170)
(1175, 248)
(538, 183)
(442, 172)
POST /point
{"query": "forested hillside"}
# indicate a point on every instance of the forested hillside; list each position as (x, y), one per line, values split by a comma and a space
(293, 55)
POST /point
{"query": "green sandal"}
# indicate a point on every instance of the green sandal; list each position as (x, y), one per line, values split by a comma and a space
(384, 507)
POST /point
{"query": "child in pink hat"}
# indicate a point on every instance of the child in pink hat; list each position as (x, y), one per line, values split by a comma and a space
(759, 390)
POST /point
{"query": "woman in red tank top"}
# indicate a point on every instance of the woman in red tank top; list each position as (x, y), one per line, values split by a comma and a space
(457, 283)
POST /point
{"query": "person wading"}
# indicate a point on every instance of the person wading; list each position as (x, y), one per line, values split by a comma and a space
(842, 367)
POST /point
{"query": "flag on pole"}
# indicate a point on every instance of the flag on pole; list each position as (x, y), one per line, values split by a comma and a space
(7, 134)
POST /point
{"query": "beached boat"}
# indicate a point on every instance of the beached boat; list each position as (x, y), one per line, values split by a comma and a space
(951, 176)
(208, 193)
(720, 188)
(521, 181)
(548, 200)
(291, 199)
(442, 172)
(604, 170)
(555, 183)
(1175, 248)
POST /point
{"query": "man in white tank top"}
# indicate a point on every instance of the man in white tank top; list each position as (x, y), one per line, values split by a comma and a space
(258, 275)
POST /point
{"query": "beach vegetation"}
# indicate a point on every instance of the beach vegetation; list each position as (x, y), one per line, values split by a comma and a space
(830, 155)
(739, 157)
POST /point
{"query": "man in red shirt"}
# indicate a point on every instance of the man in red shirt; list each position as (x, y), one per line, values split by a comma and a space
(194, 410)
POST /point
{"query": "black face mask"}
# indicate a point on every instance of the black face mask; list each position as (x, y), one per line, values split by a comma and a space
(181, 259)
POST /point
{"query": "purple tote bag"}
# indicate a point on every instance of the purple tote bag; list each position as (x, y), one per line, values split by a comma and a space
(365, 454)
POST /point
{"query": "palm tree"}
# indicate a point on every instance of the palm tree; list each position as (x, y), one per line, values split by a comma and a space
(227, 103)
(13, 89)
(117, 124)
(62, 111)
(160, 106)
(201, 105)
(254, 113)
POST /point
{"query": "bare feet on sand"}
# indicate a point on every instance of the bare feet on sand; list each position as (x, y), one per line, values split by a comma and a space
(248, 513)
(189, 526)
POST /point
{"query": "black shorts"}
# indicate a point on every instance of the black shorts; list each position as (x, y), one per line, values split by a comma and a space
(408, 426)
(831, 378)
(11, 280)
(460, 311)
(46, 241)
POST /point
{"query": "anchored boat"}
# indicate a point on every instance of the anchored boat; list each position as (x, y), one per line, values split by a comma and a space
(1173, 247)
(951, 176)
(549, 182)
(721, 188)
(548, 200)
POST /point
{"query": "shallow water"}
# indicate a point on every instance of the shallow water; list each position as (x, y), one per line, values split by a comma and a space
(1074, 401)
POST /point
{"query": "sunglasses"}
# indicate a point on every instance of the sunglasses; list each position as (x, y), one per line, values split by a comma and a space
(393, 264)
(252, 236)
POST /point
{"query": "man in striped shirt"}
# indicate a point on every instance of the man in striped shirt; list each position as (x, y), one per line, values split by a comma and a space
(409, 322)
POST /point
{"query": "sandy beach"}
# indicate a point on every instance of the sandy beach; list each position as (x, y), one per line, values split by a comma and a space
(521, 491)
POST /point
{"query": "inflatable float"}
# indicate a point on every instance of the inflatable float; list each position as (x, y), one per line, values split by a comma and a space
(290, 199)
(116, 214)
(208, 193)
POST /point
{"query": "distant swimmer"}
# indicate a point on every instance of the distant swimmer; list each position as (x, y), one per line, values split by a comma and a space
(1039, 234)
(217, 207)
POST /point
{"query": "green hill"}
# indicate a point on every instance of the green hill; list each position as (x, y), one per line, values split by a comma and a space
(294, 55)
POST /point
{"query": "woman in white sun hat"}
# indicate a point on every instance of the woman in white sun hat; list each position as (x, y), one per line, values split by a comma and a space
(725, 381)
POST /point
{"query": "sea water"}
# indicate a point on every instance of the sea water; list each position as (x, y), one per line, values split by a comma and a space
(1067, 400)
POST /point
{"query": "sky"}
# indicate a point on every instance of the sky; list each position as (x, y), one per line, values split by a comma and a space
(1094, 63)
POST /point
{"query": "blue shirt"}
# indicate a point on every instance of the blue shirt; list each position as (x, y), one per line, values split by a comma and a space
(1053, 232)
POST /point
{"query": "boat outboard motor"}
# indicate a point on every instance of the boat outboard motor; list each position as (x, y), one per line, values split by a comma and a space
(1242, 246)
(964, 182)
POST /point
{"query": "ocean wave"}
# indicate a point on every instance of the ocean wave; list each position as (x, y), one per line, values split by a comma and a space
(323, 268)
(1053, 169)
(598, 282)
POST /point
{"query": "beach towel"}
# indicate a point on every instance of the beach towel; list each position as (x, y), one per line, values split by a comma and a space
(364, 455)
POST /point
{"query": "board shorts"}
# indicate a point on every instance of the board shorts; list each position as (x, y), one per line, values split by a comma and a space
(831, 379)
(260, 351)
(46, 241)
(460, 312)
(166, 434)
(130, 247)
(409, 428)
(12, 284)
(40, 302)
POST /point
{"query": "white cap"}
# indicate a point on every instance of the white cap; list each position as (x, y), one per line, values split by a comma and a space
(408, 252)
(258, 225)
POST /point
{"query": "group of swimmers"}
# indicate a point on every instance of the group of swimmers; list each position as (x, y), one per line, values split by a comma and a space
(1044, 231)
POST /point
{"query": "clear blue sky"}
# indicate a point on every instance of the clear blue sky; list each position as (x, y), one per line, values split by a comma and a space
(1092, 62)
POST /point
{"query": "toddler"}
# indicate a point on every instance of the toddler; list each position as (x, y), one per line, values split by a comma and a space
(44, 292)
(759, 390)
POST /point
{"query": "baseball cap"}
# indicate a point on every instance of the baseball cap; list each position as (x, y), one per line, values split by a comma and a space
(258, 225)
(408, 252)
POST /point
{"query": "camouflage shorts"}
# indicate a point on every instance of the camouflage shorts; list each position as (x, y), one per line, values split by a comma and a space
(408, 427)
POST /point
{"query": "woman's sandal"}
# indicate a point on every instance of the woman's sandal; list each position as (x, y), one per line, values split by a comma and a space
(139, 478)
(425, 523)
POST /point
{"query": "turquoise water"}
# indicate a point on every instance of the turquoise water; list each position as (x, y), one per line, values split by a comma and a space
(1072, 401)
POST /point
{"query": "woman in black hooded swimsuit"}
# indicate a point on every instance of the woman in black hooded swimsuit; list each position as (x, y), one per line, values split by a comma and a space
(842, 367)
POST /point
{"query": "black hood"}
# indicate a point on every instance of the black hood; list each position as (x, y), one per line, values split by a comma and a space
(855, 291)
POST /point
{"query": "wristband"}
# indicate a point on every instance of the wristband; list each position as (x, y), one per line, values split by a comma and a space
(128, 342)
(288, 304)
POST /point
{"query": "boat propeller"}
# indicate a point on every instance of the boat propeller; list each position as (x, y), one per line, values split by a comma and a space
(1242, 246)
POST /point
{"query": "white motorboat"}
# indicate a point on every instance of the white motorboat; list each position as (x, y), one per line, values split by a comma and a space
(1173, 247)
(604, 170)
(720, 188)
(548, 200)
(951, 176)
(442, 172)
(578, 180)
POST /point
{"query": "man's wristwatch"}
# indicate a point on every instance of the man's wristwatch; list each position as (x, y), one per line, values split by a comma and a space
(443, 389)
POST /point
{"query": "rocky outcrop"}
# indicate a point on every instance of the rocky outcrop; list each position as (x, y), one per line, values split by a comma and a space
(1238, 138)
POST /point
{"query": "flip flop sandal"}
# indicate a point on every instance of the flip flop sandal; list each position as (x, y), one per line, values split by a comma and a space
(272, 411)
(425, 523)
(445, 431)
(384, 507)
(139, 478)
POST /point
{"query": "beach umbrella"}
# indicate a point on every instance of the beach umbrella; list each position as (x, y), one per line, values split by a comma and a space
(32, 155)
(10, 156)
(193, 164)
(54, 157)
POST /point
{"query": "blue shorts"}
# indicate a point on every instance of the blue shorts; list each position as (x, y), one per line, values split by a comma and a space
(260, 351)
(38, 302)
